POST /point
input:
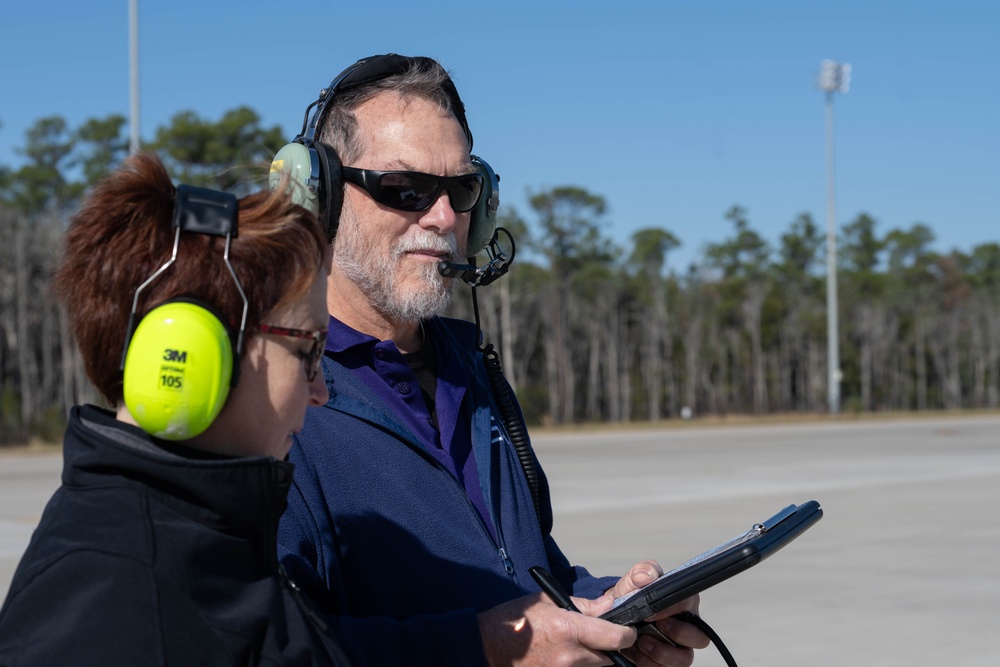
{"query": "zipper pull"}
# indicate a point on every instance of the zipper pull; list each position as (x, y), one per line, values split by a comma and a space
(506, 562)
(306, 609)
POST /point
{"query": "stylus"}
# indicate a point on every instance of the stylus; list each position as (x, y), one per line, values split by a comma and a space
(551, 587)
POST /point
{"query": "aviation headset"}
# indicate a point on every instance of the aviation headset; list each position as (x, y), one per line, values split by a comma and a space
(314, 167)
(181, 360)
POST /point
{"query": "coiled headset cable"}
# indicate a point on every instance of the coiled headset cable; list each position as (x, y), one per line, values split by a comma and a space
(498, 265)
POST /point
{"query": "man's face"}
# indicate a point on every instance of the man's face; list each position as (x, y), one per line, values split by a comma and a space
(391, 255)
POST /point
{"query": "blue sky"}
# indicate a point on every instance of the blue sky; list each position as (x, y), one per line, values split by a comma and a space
(673, 111)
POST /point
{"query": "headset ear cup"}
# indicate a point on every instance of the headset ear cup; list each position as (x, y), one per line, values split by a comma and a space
(331, 189)
(300, 163)
(314, 180)
(178, 369)
(483, 221)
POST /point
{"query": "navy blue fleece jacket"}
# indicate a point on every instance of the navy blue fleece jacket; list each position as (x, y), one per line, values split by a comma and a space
(378, 529)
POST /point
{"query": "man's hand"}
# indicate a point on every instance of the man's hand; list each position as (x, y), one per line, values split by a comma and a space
(533, 631)
(652, 652)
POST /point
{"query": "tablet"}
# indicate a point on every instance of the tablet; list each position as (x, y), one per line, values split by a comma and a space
(715, 565)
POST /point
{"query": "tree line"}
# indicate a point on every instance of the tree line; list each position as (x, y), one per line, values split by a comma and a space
(743, 329)
(588, 329)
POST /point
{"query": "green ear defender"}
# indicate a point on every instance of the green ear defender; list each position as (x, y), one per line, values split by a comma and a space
(483, 221)
(178, 370)
(180, 361)
(296, 161)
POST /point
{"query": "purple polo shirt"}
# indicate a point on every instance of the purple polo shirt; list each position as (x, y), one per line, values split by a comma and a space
(382, 367)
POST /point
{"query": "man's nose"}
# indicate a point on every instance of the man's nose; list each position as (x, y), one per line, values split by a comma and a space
(441, 217)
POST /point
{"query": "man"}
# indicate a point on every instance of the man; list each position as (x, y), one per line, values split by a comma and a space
(411, 511)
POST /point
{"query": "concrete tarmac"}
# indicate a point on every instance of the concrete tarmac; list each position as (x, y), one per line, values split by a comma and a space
(26, 483)
(903, 569)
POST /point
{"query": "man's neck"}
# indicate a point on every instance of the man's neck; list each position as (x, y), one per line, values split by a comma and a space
(351, 305)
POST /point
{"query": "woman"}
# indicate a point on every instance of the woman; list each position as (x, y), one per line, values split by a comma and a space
(159, 547)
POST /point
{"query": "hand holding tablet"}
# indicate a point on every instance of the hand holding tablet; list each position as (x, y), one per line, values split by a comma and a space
(715, 565)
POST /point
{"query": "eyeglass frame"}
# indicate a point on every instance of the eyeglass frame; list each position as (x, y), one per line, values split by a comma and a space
(370, 181)
(314, 357)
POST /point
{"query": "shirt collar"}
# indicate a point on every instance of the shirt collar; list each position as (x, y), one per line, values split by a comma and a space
(341, 337)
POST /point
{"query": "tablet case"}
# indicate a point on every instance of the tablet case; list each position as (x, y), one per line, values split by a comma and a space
(715, 565)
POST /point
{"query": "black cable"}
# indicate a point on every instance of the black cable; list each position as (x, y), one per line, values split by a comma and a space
(699, 623)
(512, 420)
(517, 431)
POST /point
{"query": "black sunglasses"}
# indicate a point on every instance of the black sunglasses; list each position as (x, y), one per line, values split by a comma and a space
(416, 191)
(314, 355)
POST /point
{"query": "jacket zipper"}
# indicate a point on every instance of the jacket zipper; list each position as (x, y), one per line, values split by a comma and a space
(306, 609)
(508, 564)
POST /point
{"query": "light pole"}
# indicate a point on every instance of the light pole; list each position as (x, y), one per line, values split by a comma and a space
(133, 70)
(834, 77)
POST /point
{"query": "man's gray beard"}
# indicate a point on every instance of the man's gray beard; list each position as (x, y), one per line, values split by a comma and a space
(376, 275)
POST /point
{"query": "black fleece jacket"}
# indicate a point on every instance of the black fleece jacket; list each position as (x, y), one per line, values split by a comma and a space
(155, 554)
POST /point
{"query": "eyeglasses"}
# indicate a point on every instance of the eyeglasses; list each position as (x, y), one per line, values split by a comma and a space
(415, 191)
(314, 356)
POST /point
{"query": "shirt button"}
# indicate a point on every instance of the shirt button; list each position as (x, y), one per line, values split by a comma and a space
(380, 355)
(403, 388)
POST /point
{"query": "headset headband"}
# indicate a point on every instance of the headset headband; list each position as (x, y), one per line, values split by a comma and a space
(201, 211)
(369, 70)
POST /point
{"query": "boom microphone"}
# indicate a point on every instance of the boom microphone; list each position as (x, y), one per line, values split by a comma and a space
(475, 276)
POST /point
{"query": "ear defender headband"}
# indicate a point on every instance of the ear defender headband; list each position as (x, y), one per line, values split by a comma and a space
(180, 362)
(315, 169)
